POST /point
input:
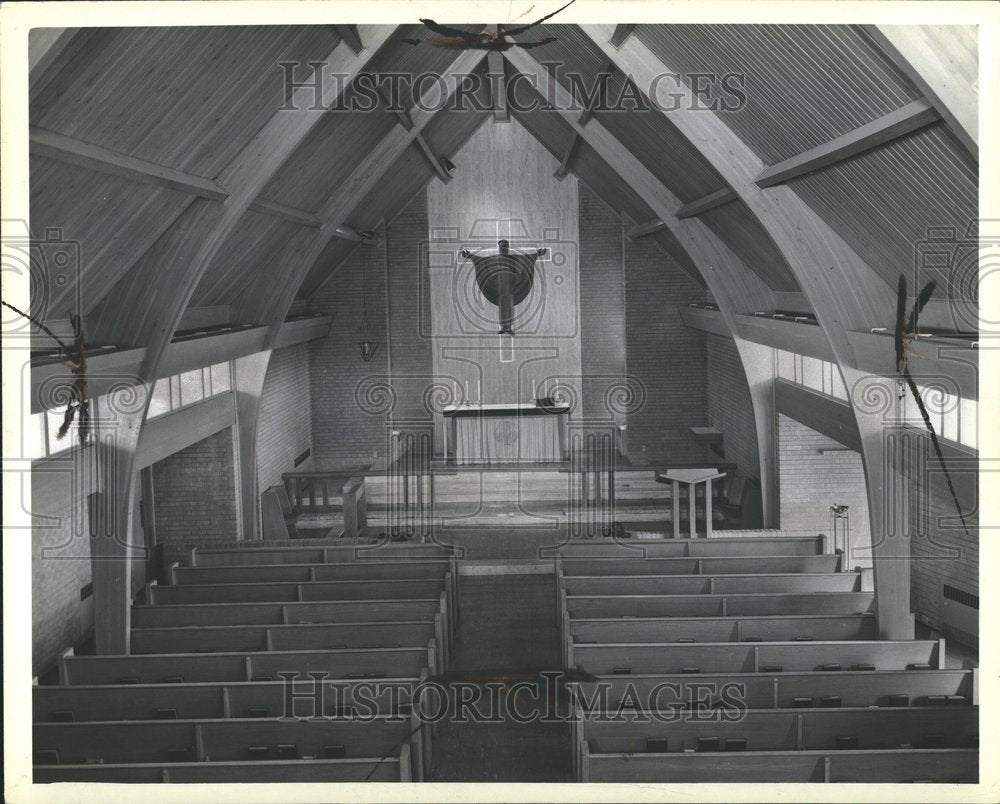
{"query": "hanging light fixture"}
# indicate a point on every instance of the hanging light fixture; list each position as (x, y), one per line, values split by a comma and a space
(367, 344)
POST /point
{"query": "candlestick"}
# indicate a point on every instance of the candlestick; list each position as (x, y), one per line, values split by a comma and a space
(479, 390)
(454, 391)
(533, 394)
(466, 392)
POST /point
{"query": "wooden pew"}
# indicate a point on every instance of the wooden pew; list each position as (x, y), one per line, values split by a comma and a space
(743, 657)
(609, 606)
(358, 570)
(230, 638)
(312, 554)
(167, 615)
(711, 584)
(724, 629)
(855, 688)
(189, 667)
(752, 546)
(214, 700)
(372, 769)
(782, 729)
(306, 591)
(941, 765)
(210, 741)
(714, 565)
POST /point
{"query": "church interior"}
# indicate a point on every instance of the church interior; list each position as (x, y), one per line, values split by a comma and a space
(587, 403)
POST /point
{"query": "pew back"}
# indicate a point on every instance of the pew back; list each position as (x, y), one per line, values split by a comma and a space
(724, 629)
(579, 585)
(741, 657)
(607, 606)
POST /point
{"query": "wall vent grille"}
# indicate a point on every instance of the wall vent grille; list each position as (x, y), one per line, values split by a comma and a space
(961, 596)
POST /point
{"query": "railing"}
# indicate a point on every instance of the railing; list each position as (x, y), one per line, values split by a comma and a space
(593, 456)
(410, 483)
(315, 492)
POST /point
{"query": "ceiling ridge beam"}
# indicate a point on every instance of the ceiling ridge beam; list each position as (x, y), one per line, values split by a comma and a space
(699, 206)
(898, 123)
(939, 62)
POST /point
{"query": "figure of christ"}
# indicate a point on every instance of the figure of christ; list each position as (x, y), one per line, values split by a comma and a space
(504, 277)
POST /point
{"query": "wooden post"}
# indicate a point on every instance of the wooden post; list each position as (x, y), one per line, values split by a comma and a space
(355, 508)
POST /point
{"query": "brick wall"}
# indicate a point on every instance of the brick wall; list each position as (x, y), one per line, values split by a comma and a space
(668, 357)
(60, 560)
(284, 426)
(348, 423)
(602, 303)
(729, 407)
(194, 491)
(411, 348)
(811, 481)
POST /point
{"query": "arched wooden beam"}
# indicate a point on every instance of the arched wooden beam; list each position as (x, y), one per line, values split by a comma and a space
(269, 298)
(842, 290)
(732, 283)
(146, 306)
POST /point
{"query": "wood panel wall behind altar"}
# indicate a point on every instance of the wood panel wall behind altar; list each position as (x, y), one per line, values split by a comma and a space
(504, 188)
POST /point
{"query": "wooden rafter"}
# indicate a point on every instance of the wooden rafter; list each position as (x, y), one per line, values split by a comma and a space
(943, 62)
(567, 161)
(435, 161)
(498, 85)
(351, 37)
(732, 284)
(898, 123)
(707, 202)
(646, 229)
(622, 32)
(146, 305)
(850, 296)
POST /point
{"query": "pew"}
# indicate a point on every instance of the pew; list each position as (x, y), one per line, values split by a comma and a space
(215, 700)
(373, 769)
(711, 584)
(742, 657)
(232, 638)
(772, 628)
(608, 606)
(359, 570)
(900, 765)
(209, 741)
(330, 553)
(713, 565)
(780, 729)
(751, 546)
(305, 591)
(856, 688)
(167, 615)
(244, 666)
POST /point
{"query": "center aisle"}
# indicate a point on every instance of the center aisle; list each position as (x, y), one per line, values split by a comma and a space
(507, 624)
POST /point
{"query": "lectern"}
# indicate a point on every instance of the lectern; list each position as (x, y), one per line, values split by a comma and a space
(691, 478)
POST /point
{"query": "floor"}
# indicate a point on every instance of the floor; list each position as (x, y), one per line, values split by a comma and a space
(507, 624)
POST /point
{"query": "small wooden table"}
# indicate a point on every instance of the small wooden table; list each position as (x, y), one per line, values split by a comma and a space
(691, 478)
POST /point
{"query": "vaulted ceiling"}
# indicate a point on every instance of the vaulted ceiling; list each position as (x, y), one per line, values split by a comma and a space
(131, 127)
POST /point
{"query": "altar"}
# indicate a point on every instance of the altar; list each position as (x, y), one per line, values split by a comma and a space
(505, 433)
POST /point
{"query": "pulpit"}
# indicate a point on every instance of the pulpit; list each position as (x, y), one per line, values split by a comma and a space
(505, 433)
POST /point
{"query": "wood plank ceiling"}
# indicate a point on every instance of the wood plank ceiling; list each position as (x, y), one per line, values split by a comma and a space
(190, 98)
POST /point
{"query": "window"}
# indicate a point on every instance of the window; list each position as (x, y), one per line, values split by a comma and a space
(953, 418)
(173, 393)
(819, 375)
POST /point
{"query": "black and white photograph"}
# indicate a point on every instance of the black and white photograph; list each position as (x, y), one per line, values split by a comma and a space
(517, 400)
